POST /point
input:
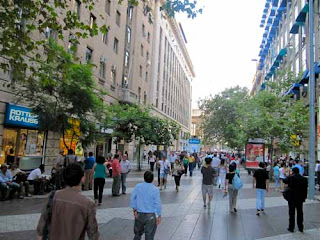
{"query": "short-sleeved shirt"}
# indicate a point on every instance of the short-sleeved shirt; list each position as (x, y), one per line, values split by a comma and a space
(89, 162)
(208, 175)
(229, 177)
(35, 174)
(261, 177)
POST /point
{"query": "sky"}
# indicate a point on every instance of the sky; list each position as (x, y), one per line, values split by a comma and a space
(222, 43)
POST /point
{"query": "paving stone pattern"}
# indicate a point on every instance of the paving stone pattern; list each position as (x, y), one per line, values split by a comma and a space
(183, 214)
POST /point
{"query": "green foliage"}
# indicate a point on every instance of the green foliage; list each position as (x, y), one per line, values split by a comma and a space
(233, 116)
(190, 7)
(221, 115)
(62, 90)
(133, 122)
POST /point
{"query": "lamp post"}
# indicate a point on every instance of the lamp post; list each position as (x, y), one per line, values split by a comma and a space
(312, 130)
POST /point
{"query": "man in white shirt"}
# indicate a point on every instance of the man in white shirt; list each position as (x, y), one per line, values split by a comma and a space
(125, 165)
(172, 158)
(215, 164)
(35, 178)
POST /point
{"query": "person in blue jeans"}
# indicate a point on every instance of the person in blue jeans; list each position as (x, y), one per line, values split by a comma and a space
(261, 183)
(276, 174)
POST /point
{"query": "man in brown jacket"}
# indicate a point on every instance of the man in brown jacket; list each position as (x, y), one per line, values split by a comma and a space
(69, 215)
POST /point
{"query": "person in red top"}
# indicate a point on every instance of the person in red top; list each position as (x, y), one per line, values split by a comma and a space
(116, 174)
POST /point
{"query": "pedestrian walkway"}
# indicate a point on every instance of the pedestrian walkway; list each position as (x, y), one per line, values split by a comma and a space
(183, 214)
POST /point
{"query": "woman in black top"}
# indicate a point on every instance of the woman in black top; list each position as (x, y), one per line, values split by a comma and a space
(233, 193)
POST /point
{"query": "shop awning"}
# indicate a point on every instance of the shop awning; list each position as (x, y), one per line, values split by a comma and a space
(276, 63)
(306, 74)
(295, 88)
(300, 20)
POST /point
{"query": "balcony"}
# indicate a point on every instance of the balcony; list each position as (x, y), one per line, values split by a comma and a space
(127, 96)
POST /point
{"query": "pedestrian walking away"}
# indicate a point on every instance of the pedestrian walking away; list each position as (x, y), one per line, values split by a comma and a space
(216, 164)
(57, 220)
(164, 166)
(233, 193)
(276, 174)
(185, 164)
(99, 172)
(116, 175)
(151, 160)
(222, 174)
(177, 171)
(172, 158)
(261, 183)
(146, 204)
(88, 165)
(208, 174)
(297, 194)
(125, 169)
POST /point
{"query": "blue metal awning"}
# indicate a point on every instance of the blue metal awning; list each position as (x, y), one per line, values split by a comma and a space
(276, 63)
(306, 74)
(295, 88)
(300, 20)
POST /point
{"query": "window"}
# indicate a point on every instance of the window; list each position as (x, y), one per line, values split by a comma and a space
(147, 56)
(130, 12)
(102, 71)
(145, 98)
(105, 38)
(139, 94)
(115, 45)
(143, 30)
(92, 20)
(148, 38)
(141, 50)
(140, 71)
(126, 59)
(88, 55)
(107, 7)
(114, 76)
(118, 18)
(128, 34)
(77, 7)
(147, 76)
(72, 46)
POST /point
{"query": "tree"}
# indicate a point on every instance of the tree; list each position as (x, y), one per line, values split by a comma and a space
(221, 115)
(25, 22)
(64, 95)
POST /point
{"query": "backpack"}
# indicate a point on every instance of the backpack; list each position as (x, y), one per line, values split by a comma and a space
(237, 183)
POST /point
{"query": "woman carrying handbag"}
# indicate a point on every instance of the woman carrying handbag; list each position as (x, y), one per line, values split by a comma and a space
(177, 171)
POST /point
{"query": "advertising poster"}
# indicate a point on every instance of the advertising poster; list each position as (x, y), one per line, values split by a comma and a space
(254, 154)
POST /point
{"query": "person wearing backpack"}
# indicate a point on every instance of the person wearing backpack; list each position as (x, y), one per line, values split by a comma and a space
(261, 183)
(233, 191)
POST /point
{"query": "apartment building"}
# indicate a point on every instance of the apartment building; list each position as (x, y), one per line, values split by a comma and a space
(124, 60)
(285, 46)
(172, 74)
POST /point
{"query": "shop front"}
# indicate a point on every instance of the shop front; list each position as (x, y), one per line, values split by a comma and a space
(22, 141)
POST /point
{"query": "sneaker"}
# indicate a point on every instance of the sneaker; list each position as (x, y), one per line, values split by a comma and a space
(96, 201)
(235, 210)
(262, 210)
(99, 204)
(300, 230)
(204, 205)
(21, 197)
(165, 186)
(258, 213)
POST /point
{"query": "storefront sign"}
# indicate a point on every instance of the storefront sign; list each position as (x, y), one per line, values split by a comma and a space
(21, 117)
(194, 141)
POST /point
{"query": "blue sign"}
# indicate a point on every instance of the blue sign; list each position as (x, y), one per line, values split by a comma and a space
(20, 117)
(194, 141)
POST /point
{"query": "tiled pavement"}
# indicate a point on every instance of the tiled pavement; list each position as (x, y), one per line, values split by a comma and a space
(183, 215)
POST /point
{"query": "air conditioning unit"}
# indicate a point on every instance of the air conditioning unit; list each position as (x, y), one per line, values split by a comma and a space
(114, 68)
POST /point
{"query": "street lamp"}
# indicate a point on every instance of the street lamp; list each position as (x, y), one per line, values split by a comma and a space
(312, 133)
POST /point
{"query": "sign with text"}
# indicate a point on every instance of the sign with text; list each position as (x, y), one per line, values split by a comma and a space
(21, 117)
(194, 141)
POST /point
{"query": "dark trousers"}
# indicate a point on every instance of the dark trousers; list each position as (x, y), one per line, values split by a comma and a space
(177, 180)
(292, 209)
(191, 166)
(318, 178)
(158, 176)
(98, 183)
(151, 166)
(185, 168)
(145, 224)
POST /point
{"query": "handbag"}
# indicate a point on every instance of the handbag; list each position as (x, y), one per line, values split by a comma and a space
(287, 194)
(46, 227)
